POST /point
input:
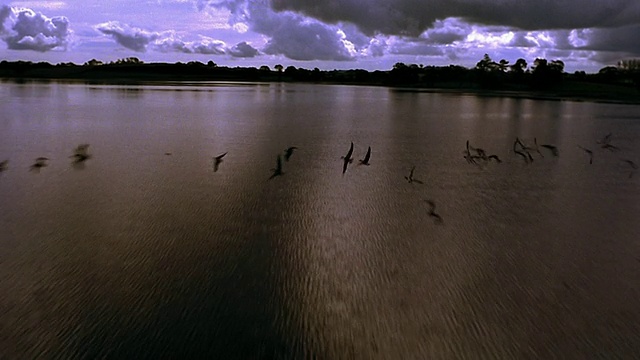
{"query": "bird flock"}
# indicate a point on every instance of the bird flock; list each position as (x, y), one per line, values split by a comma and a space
(473, 155)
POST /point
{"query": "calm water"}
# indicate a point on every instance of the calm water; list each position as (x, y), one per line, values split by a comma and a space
(138, 254)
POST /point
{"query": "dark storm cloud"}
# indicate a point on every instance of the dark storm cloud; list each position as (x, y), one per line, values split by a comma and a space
(412, 17)
(140, 40)
(242, 50)
(623, 39)
(25, 29)
(290, 34)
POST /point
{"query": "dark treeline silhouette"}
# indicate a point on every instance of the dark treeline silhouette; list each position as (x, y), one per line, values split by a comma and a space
(541, 78)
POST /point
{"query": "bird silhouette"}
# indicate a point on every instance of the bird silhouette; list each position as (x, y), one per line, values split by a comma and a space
(365, 161)
(552, 148)
(589, 152)
(288, 152)
(40, 163)
(468, 156)
(347, 159)
(80, 153)
(633, 166)
(217, 160)
(3, 165)
(410, 179)
(432, 211)
(277, 171)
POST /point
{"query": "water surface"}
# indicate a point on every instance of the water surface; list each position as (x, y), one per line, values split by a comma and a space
(139, 254)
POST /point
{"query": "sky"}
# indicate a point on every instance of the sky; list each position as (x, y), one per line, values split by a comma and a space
(328, 34)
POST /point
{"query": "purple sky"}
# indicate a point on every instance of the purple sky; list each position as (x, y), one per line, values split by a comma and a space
(328, 34)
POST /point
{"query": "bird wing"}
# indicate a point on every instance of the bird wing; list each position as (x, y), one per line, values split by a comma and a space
(350, 151)
(366, 157)
(219, 157)
(278, 164)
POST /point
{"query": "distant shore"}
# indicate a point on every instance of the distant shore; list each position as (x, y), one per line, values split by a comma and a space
(613, 87)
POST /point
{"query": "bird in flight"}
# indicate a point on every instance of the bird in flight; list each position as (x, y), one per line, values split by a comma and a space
(288, 152)
(278, 169)
(410, 178)
(347, 159)
(217, 160)
(588, 152)
(432, 211)
(80, 153)
(633, 166)
(552, 148)
(605, 143)
(40, 163)
(365, 161)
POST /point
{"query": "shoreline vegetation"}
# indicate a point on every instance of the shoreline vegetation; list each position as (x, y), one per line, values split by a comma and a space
(542, 80)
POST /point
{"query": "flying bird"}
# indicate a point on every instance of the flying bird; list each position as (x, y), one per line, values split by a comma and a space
(552, 148)
(288, 152)
(40, 163)
(278, 169)
(468, 156)
(605, 143)
(410, 178)
(633, 166)
(217, 160)
(347, 159)
(432, 211)
(365, 161)
(80, 153)
(588, 152)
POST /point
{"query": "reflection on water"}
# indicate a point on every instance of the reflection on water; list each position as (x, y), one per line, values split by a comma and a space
(138, 254)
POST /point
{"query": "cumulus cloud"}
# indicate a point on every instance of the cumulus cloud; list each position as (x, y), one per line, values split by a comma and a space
(243, 49)
(292, 35)
(132, 38)
(25, 29)
(140, 40)
(411, 17)
(446, 31)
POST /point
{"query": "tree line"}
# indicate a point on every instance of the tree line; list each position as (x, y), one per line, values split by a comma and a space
(540, 75)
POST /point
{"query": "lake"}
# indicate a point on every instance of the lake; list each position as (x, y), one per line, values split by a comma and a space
(144, 251)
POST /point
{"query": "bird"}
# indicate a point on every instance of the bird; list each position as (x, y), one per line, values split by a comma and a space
(605, 140)
(432, 211)
(347, 159)
(217, 160)
(365, 161)
(588, 152)
(3, 165)
(605, 143)
(410, 178)
(278, 169)
(552, 148)
(40, 163)
(633, 165)
(468, 156)
(536, 148)
(288, 152)
(609, 147)
(80, 153)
